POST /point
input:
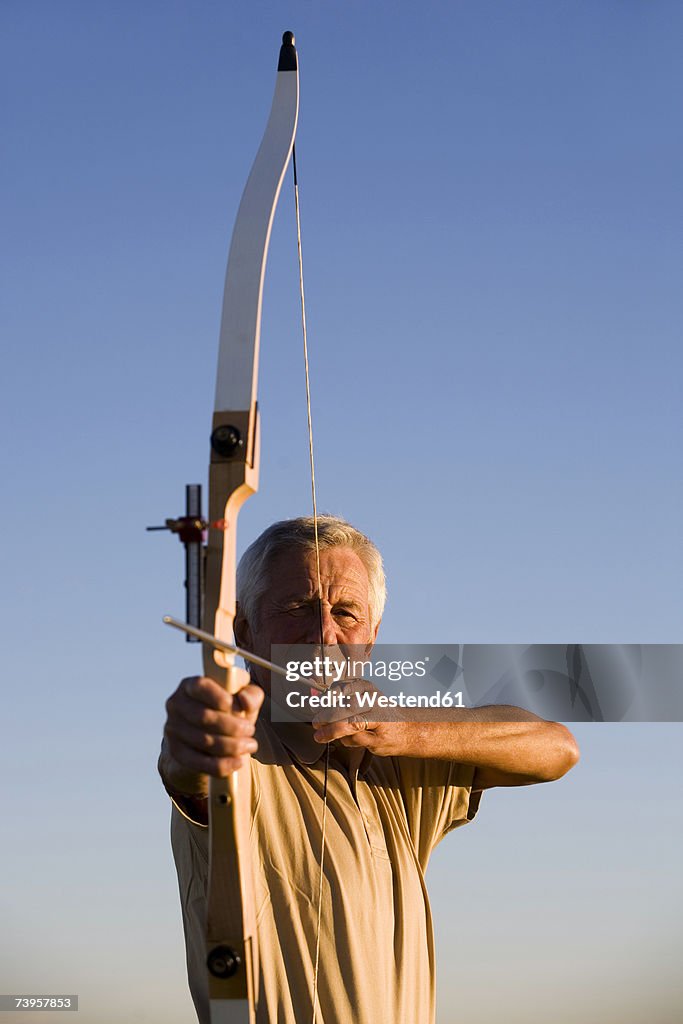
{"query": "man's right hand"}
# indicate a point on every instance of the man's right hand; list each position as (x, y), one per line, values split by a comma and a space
(207, 732)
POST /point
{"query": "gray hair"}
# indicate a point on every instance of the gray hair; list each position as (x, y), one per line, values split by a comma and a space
(252, 571)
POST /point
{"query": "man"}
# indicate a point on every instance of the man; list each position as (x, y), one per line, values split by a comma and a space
(394, 789)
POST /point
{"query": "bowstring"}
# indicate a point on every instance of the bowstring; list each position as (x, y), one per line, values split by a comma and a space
(316, 961)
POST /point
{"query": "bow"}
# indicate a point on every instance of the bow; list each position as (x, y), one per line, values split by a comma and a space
(232, 955)
(231, 940)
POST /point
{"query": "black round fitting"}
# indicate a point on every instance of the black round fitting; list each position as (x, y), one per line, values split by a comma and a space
(223, 962)
(225, 440)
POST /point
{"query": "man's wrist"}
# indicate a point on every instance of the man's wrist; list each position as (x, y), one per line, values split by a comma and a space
(177, 780)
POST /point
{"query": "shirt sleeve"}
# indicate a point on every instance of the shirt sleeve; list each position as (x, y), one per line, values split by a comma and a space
(437, 797)
(189, 842)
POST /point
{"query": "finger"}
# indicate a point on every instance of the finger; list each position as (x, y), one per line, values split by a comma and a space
(211, 693)
(360, 739)
(352, 726)
(250, 699)
(331, 715)
(185, 713)
(205, 764)
(233, 716)
(205, 691)
(233, 744)
(351, 706)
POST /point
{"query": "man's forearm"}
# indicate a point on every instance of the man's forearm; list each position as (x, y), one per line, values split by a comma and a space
(508, 746)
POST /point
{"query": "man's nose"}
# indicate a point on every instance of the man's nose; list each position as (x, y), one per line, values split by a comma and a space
(322, 617)
(330, 636)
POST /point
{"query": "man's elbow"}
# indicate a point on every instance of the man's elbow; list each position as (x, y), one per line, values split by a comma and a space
(566, 753)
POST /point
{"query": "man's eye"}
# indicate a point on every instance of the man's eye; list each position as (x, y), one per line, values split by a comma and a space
(344, 613)
(297, 609)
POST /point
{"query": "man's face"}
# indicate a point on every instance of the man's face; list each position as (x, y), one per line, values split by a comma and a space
(289, 611)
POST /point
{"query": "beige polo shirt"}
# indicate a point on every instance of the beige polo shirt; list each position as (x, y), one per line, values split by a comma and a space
(385, 815)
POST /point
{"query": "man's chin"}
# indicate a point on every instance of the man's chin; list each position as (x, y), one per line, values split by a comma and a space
(291, 702)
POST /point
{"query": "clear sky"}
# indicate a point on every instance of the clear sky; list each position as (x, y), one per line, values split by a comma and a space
(491, 204)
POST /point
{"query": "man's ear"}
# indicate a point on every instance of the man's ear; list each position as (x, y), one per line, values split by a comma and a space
(242, 630)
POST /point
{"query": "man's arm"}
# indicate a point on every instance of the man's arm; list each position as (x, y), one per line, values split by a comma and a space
(189, 792)
(507, 745)
(207, 732)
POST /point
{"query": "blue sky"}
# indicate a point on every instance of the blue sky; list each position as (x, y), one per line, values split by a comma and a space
(491, 213)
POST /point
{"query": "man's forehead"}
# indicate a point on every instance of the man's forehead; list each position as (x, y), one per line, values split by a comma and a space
(296, 568)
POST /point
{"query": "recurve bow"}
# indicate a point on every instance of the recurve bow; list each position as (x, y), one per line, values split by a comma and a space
(232, 954)
(232, 940)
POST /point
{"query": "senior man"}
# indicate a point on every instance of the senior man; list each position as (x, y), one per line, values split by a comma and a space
(394, 789)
